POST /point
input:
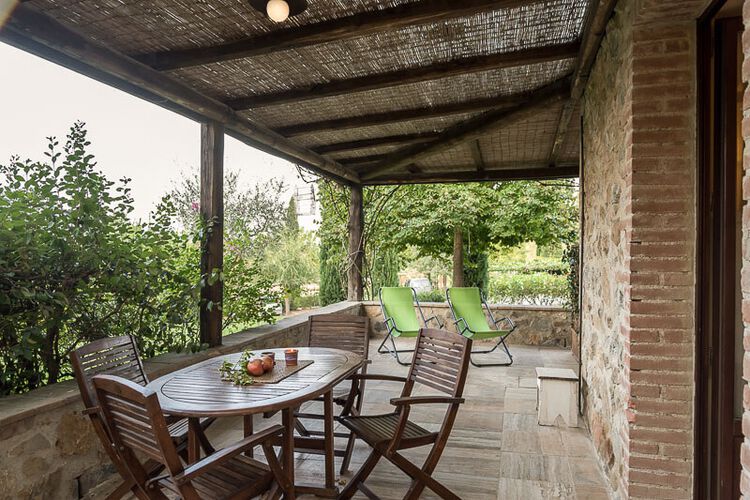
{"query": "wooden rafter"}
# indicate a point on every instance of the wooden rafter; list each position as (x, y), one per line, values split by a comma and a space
(528, 172)
(594, 29)
(403, 115)
(473, 128)
(40, 34)
(456, 67)
(335, 30)
(356, 161)
(374, 142)
(476, 155)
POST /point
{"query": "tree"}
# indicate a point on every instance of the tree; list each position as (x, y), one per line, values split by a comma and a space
(462, 220)
(467, 219)
(381, 262)
(252, 217)
(292, 224)
(291, 263)
(75, 268)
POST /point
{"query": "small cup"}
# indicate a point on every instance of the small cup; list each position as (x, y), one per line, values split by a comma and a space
(290, 356)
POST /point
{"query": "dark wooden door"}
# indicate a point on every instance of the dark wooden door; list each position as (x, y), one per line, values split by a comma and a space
(719, 342)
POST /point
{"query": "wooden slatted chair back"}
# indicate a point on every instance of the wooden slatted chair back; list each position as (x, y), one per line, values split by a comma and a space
(441, 362)
(115, 356)
(137, 425)
(340, 331)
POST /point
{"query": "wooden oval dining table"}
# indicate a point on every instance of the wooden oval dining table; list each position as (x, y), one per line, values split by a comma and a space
(198, 391)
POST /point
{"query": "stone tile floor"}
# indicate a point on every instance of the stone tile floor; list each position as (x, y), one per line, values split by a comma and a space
(496, 449)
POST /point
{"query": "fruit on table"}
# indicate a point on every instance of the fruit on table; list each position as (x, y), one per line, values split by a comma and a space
(267, 363)
(255, 367)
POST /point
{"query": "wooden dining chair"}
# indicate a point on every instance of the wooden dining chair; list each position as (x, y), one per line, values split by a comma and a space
(441, 363)
(350, 333)
(119, 356)
(138, 428)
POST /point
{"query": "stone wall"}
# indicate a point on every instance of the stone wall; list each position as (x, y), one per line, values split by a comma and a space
(49, 450)
(639, 248)
(537, 325)
(605, 309)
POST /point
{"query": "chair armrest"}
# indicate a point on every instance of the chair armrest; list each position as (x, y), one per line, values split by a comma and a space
(505, 319)
(465, 327)
(437, 320)
(413, 400)
(375, 376)
(226, 454)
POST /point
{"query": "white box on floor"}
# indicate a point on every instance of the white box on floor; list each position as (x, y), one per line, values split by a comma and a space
(557, 395)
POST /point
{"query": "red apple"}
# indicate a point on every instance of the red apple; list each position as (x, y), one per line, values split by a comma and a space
(267, 363)
(255, 367)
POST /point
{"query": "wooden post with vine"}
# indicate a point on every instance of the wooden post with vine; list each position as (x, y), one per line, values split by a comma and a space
(212, 213)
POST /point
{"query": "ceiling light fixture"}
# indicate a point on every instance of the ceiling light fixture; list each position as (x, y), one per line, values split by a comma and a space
(279, 10)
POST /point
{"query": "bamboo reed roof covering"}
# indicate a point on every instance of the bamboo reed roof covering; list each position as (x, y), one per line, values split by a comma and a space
(365, 91)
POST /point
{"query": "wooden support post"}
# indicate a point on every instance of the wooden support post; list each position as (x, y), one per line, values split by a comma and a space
(356, 244)
(212, 211)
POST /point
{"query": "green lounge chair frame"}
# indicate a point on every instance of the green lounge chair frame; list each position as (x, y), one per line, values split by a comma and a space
(403, 326)
(476, 326)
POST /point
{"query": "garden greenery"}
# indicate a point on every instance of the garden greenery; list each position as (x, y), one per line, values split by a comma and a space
(74, 268)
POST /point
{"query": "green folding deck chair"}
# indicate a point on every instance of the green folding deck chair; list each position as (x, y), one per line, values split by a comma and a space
(397, 305)
(470, 320)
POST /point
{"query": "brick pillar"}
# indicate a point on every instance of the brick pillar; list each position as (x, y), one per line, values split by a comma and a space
(662, 267)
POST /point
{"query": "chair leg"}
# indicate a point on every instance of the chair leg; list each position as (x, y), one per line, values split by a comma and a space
(393, 352)
(125, 488)
(348, 453)
(422, 477)
(501, 341)
(361, 475)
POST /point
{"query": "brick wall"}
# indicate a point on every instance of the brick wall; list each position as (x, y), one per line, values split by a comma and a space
(638, 315)
(662, 264)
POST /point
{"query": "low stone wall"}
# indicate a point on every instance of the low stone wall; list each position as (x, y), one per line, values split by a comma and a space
(49, 450)
(537, 325)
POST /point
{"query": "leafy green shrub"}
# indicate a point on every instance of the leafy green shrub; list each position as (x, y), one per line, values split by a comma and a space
(535, 288)
(538, 265)
(431, 296)
(74, 268)
(306, 301)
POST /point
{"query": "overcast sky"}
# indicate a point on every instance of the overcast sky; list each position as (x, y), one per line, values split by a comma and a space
(130, 137)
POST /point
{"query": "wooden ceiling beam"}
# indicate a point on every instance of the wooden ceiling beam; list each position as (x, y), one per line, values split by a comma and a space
(35, 32)
(334, 30)
(531, 172)
(593, 32)
(403, 115)
(436, 71)
(374, 142)
(473, 128)
(357, 161)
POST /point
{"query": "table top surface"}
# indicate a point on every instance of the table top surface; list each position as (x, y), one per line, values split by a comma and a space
(198, 391)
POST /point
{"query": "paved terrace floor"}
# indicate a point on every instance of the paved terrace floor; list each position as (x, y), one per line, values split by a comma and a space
(496, 449)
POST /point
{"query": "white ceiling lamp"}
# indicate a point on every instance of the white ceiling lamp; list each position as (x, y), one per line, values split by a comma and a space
(279, 10)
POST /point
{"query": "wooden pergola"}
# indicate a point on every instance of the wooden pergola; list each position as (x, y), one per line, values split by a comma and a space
(372, 92)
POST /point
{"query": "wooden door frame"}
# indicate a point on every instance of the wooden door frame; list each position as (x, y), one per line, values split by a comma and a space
(714, 372)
